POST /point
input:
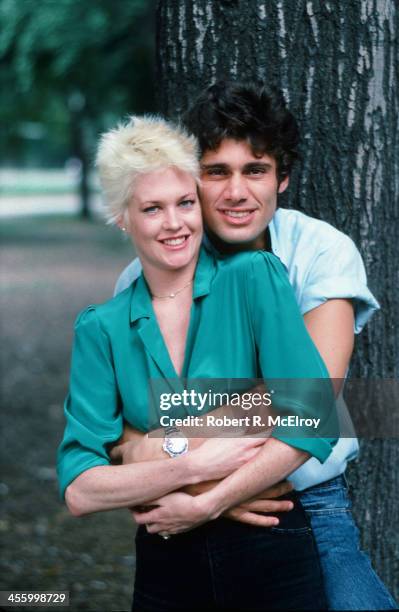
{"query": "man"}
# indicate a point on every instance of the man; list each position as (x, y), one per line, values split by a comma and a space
(248, 142)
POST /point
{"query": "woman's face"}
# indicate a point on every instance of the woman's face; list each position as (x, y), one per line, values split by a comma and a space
(164, 219)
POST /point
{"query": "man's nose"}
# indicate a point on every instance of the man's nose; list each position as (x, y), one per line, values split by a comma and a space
(236, 190)
(172, 220)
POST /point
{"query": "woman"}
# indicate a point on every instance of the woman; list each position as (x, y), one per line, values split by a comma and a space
(165, 326)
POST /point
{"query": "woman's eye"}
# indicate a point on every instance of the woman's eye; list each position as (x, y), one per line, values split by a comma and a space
(187, 203)
(151, 210)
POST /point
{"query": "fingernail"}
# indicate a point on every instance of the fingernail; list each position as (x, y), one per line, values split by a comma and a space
(276, 522)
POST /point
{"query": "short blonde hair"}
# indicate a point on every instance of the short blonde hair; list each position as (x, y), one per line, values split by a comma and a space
(141, 145)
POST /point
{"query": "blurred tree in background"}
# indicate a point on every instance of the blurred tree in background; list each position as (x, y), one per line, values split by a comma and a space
(68, 70)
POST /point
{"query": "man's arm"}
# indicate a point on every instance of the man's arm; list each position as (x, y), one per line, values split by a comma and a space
(274, 462)
(331, 327)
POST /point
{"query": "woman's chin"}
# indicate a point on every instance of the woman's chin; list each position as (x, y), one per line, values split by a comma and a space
(177, 263)
(175, 260)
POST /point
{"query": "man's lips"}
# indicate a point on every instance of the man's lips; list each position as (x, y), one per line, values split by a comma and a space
(237, 217)
(175, 242)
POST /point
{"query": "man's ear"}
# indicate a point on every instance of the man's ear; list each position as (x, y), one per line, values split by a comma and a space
(284, 184)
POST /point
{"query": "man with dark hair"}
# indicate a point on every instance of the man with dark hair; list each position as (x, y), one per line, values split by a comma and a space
(248, 142)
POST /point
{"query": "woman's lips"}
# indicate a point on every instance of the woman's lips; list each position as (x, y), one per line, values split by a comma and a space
(175, 243)
(237, 217)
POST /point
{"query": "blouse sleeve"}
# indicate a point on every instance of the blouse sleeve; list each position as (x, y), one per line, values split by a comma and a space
(93, 417)
(288, 360)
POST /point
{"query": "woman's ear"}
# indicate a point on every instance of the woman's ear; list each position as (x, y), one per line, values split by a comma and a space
(121, 222)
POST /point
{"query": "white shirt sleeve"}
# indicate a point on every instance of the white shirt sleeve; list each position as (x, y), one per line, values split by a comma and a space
(338, 272)
(129, 274)
(322, 263)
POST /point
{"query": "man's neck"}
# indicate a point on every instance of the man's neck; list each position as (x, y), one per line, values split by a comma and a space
(229, 248)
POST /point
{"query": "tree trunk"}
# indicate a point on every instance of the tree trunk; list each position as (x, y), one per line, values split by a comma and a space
(79, 147)
(79, 151)
(337, 65)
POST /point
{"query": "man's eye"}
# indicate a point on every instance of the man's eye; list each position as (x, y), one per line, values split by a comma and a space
(257, 170)
(151, 210)
(187, 203)
(215, 172)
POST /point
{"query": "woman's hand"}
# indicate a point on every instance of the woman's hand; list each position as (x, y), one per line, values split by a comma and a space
(175, 513)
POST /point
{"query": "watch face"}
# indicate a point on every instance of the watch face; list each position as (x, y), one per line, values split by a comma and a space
(176, 446)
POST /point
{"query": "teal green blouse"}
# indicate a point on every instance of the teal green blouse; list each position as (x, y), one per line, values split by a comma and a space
(245, 323)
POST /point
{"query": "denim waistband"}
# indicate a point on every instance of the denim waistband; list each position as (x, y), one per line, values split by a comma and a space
(333, 483)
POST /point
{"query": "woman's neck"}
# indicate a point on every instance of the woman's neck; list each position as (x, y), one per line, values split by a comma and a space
(163, 282)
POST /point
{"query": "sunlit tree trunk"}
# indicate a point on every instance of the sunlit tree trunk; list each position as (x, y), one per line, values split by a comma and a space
(337, 64)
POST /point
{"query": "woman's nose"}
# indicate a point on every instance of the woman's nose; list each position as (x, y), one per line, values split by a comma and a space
(172, 220)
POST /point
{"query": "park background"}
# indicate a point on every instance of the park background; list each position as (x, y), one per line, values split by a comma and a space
(68, 71)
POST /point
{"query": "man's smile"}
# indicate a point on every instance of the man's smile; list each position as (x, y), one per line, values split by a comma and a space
(237, 217)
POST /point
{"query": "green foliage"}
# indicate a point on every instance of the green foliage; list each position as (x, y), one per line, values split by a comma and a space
(63, 60)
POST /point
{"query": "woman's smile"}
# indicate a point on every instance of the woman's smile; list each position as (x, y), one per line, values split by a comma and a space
(176, 243)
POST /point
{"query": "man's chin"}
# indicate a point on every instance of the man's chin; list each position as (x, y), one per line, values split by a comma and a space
(236, 240)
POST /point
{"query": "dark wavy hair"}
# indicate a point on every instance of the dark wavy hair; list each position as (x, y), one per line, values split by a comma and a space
(256, 114)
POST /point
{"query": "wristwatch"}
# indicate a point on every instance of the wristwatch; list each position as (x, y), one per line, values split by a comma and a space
(175, 442)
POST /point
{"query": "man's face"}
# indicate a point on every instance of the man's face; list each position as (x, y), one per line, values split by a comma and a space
(238, 193)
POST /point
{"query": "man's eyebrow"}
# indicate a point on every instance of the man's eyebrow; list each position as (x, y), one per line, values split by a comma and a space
(216, 165)
(257, 164)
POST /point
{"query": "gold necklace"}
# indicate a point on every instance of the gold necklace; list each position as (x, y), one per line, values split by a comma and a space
(172, 295)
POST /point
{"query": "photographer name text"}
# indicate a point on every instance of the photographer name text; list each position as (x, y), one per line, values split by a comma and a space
(210, 420)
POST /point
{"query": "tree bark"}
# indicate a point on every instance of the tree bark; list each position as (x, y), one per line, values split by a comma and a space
(337, 65)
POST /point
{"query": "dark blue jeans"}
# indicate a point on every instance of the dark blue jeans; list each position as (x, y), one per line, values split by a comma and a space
(227, 565)
(349, 579)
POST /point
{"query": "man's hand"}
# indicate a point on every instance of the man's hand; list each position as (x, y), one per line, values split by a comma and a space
(141, 449)
(249, 512)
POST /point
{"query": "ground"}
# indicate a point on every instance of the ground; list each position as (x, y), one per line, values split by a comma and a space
(52, 267)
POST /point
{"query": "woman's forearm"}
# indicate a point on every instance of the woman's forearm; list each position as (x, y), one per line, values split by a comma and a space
(119, 486)
(108, 487)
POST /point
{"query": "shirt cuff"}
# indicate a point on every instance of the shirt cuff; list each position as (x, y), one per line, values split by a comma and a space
(365, 303)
